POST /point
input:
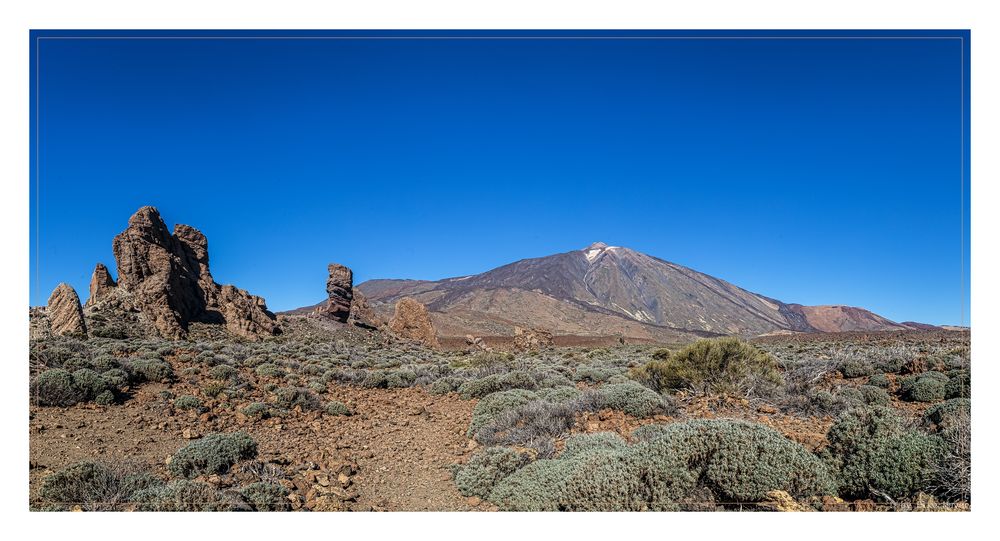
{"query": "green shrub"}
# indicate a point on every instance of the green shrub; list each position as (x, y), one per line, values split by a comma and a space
(595, 374)
(873, 395)
(876, 455)
(491, 359)
(581, 443)
(857, 368)
(214, 453)
(106, 398)
(398, 379)
(337, 408)
(289, 397)
(490, 406)
(478, 388)
(890, 365)
(222, 372)
(612, 480)
(949, 413)
(187, 402)
(486, 468)
(55, 388)
(559, 394)
(145, 369)
(722, 366)
(184, 495)
(116, 378)
(375, 379)
(926, 387)
(267, 496)
(740, 461)
(269, 370)
(257, 410)
(89, 382)
(879, 380)
(213, 388)
(96, 486)
(737, 461)
(535, 487)
(445, 385)
(633, 399)
(959, 384)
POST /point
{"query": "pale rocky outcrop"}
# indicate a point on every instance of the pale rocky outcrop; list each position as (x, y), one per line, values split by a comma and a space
(166, 277)
(65, 313)
(101, 284)
(411, 320)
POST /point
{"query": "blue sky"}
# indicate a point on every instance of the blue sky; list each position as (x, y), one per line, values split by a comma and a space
(816, 171)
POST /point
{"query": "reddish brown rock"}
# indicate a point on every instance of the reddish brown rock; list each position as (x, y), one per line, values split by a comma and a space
(65, 313)
(362, 313)
(529, 339)
(340, 292)
(412, 320)
(101, 284)
(166, 277)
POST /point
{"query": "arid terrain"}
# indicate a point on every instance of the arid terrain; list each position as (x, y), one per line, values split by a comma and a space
(166, 391)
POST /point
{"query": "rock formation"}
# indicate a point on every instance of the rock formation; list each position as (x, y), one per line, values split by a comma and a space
(65, 313)
(412, 320)
(166, 277)
(475, 343)
(529, 339)
(362, 313)
(101, 284)
(340, 293)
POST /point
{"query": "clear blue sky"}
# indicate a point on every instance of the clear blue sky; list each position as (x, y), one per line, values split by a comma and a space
(816, 171)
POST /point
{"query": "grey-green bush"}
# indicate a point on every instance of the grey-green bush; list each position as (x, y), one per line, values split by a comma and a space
(876, 455)
(145, 369)
(289, 397)
(55, 388)
(334, 407)
(187, 402)
(634, 399)
(486, 468)
(257, 410)
(96, 486)
(879, 380)
(926, 387)
(214, 453)
(185, 495)
(492, 405)
(266, 496)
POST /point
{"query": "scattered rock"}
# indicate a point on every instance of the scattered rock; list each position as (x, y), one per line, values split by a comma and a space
(411, 320)
(65, 313)
(779, 500)
(867, 506)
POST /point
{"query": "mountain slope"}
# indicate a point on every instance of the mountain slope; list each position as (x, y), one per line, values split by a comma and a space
(606, 290)
(611, 290)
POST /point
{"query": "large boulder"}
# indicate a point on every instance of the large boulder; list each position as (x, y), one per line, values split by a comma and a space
(362, 314)
(166, 277)
(531, 339)
(411, 320)
(101, 284)
(340, 292)
(65, 313)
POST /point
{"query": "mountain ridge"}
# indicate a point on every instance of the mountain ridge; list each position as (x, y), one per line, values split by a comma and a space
(611, 290)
